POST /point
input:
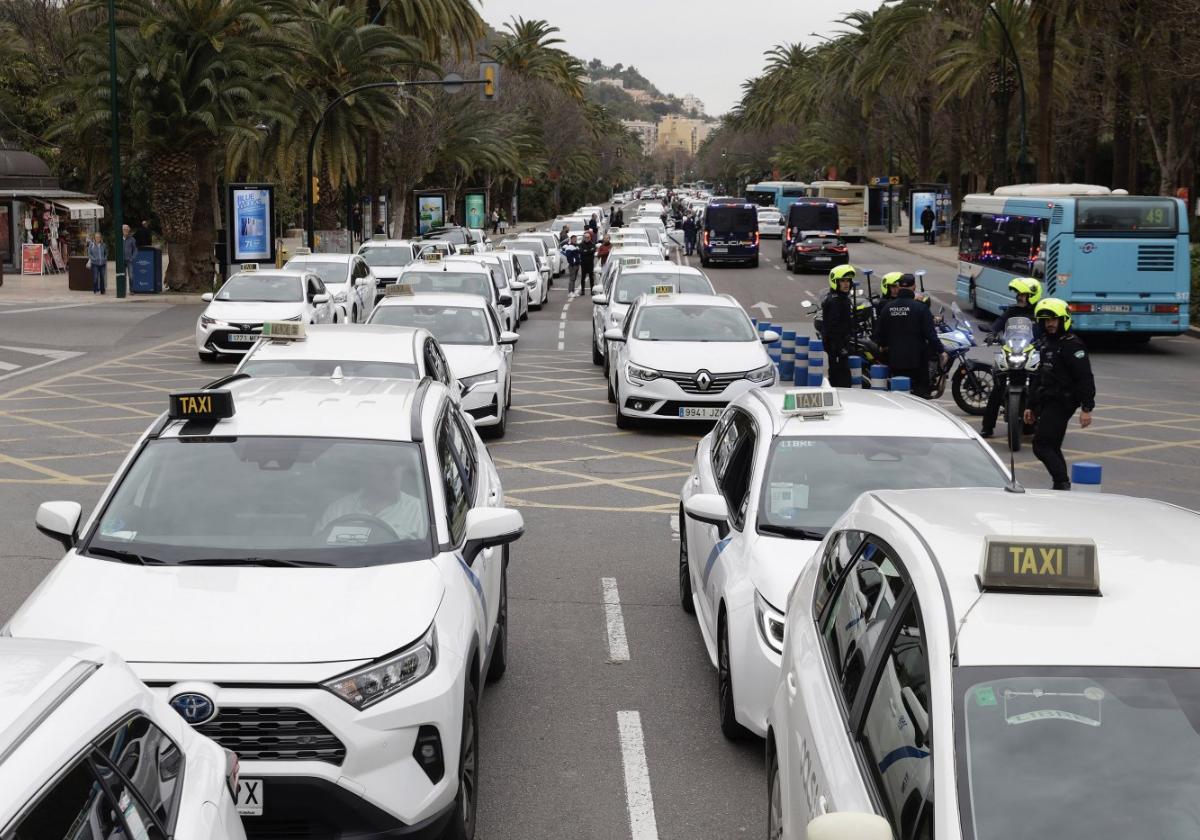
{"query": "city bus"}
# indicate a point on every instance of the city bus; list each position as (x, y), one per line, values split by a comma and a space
(1121, 262)
(784, 192)
(851, 201)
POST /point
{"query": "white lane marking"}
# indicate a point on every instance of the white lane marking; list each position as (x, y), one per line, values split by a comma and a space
(618, 644)
(777, 268)
(562, 321)
(8, 366)
(17, 370)
(638, 796)
(42, 308)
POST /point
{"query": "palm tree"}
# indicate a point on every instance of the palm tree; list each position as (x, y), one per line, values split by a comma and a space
(529, 49)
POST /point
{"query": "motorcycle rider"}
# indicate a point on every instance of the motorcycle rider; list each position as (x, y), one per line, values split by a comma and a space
(906, 335)
(837, 324)
(1028, 292)
(1065, 384)
(888, 289)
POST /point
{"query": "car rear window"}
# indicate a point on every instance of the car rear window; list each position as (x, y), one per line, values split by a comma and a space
(731, 218)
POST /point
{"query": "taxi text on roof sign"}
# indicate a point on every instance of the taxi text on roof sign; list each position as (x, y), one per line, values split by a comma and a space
(286, 330)
(201, 405)
(804, 401)
(664, 290)
(1039, 565)
(399, 290)
(248, 267)
(432, 256)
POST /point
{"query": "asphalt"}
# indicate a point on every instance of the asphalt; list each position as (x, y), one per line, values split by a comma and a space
(598, 504)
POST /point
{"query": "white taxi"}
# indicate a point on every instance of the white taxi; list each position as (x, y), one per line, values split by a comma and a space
(86, 750)
(987, 663)
(684, 356)
(525, 268)
(630, 281)
(635, 253)
(516, 309)
(541, 253)
(313, 573)
(628, 236)
(558, 263)
(347, 278)
(386, 257)
(433, 273)
(765, 486)
(468, 331)
(233, 319)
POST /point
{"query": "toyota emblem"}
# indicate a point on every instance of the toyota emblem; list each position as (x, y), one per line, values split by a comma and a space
(194, 708)
(703, 380)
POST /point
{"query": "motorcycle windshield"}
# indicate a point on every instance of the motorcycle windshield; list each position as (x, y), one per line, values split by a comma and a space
(1018, 333)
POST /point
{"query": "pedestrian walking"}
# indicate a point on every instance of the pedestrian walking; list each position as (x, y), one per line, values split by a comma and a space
(97, 254)
(503, 223)
(594, 226)
(604, 249)
(495, 221)
(1064, 384)
(564, 235)
(144, 236)
(837, 324)
(587, 262)
(571, 251)
(689, 235)
(130, 246)
(618, 218)
(906, 335)
(927, 220)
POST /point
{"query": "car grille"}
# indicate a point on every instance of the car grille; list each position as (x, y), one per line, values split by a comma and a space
(273, 733)
(687, 381)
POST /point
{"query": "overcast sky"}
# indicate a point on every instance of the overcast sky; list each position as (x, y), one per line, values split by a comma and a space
(708, 50)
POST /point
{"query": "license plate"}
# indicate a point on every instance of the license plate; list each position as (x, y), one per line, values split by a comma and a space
(1115, 307)
(241, 338)
(822, 259)
(701, 413)
(250, 797)
(721, 250)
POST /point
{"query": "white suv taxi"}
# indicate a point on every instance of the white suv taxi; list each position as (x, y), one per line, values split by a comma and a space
(86, 750)
(684, 356)
(987, 663)
(767, 483)
(313, 572)
(233, 319)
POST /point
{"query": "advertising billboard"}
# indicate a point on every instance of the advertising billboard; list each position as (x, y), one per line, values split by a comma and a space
(476, 210)
(920, 200)
(431, 211)
(252, 222)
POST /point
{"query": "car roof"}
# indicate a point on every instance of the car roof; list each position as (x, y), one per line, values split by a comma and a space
(321, 257)
(465, 263)
(1145, 551)
(690, 299)
(346, 342)
(319, 406)
(272, 272)
(434, 298)
(386, 243)
(664, 267)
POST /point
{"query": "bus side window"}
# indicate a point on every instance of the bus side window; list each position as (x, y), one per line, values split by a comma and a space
(969, 239)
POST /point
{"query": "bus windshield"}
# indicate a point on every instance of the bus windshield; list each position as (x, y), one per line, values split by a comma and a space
(1153, 216)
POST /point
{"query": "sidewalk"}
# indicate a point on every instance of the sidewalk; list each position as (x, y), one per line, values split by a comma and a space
(943, 252)
(52, 289)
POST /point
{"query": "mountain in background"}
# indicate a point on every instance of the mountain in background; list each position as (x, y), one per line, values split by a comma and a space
(628, 95)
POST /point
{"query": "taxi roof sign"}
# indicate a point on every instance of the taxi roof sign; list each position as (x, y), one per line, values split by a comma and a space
(1038, 564)
(248, 267)
(303, 251)
(664, 290)
(631, 262)
(432, 255)
(399, 290)
(201, 405)
(284, 330)
(809, 402)
(379, 237)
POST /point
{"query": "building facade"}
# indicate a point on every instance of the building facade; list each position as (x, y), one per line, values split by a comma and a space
(647, 133)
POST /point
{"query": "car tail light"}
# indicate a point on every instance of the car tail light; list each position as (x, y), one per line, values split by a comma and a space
(1170, 308)
(838, 249)
(1080, 307)
(755, 239)
(705, 237)
(804, 248)
(789, 233)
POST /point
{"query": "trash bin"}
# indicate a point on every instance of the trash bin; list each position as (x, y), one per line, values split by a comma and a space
(145, 275)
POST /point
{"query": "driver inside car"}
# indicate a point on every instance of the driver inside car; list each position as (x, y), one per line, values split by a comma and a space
(378, 497)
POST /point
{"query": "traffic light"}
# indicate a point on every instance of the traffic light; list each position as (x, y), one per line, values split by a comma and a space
(489, 72)
(316, 190)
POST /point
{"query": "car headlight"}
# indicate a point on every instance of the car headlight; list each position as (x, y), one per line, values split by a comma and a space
(641, 374)
(469, 382)
(366, 686)
(766, 373)
(206, 321)
(339, 297)
(769, 621)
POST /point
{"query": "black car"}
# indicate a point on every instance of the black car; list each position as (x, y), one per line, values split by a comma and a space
(808, 215)
(817, 252)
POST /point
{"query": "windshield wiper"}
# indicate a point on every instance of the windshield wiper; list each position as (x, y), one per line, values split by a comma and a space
(251, 561)
(126, 556)
(790, 531)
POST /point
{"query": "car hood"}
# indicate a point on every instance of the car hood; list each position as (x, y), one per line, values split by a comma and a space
(469, 359)
(690, 356)
(387, 272)
(253, 313)
(777, 564)
(233, 614)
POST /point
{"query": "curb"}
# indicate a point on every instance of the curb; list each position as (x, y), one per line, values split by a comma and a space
(945, 260)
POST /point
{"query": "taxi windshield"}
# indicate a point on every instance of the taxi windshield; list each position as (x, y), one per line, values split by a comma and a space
(810, 482)
(449, 324)
(693, 323)
(471, 283)
(268, 501)
(387, 255)
(331, 273)
(1078, 753)
(247, 288)
(268, 368)
(631, 286)
(531, 245)
(526, 261)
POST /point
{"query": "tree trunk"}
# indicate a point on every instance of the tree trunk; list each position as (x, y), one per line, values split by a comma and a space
(1046, 35)
(331, 200)
(1000, 170)
(173, 193)
(954, 164)
(924, 139)
(197, 257)
(399, 213)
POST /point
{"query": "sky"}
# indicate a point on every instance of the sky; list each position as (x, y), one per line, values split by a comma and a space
(669, 47)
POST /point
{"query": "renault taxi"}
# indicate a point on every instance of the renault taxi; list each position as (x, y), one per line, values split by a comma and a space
(468, 331)
(684, 357)
(347, 278)
(86, 750)
(233, 319)
(312, 571)
(987, 663)
(627, 284)
(766, 485)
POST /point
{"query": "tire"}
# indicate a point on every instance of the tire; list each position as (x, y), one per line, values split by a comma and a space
(971, 386)
(794, 266)
(703, 261)
(754, 263)
(612, 398)
(730, 728)
(597, 356)
(499, 663)
(496, 432)
(623, 422)
(685, 574)
(1014, 421)
(774, 797)
(466, 800)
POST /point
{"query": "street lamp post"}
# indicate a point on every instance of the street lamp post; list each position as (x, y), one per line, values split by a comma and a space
(1023, 155)
(118, 211)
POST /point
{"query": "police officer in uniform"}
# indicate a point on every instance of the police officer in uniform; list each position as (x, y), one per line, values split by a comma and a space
(887, 289)
(1028, 292)
(837, 324)
(906, 335)
(1064, 384)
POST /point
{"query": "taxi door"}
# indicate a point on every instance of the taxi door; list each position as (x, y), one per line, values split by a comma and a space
(619, 352)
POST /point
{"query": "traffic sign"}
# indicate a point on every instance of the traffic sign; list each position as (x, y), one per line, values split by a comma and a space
(885, 180)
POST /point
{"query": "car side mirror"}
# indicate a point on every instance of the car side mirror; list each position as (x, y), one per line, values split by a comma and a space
(59, 521)
(207, 297)
(770, 337)
(848, 825)
(508, 337)
(709, 508)
(490, 527)
(506, 300)
(517, 286)
(614, 334)
(320, 299)
(600, 299)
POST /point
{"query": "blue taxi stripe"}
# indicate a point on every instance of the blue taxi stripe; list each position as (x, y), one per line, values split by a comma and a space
(475, 582)
(899, 754)
(712, 557)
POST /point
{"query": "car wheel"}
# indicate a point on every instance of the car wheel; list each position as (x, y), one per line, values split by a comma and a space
(500, 428)
(774, 798)
(597, 356)
(623, 422)
(754, 263)
(462, 823)
(612, 398)
(685, 574)
(499, 663)
(794, 265)
(730, 728)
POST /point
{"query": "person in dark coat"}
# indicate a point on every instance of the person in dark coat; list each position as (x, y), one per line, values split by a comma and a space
(587, 262)
(927, 220)
(906, 335)
(837, 324)
(1028, 291)
(143, 236)
(689, 235)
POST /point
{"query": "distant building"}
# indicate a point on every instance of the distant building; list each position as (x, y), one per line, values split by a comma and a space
(692, 103)
(617, 83)
(643, 97)
(682, 133)
(647, 133)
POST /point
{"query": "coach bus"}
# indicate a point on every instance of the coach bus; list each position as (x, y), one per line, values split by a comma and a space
(1121, 262)
(783, 193)
(851, 201)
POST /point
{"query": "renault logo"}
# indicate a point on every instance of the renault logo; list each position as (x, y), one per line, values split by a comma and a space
(703, 380)
(194, 708)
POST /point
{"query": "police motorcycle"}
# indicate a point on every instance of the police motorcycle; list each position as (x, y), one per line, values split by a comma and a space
(862, 343)
(1018, 359)
(971, 381)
